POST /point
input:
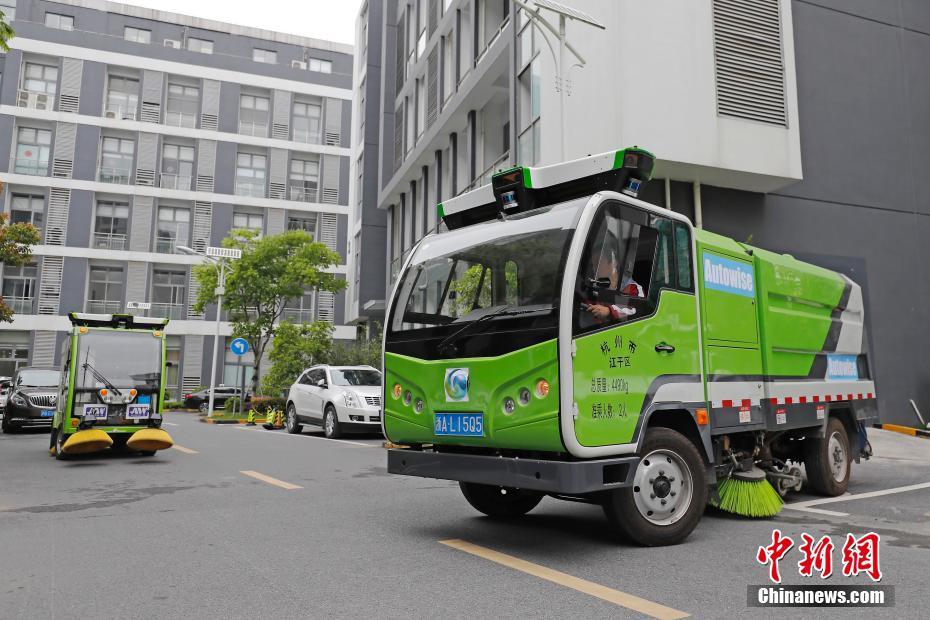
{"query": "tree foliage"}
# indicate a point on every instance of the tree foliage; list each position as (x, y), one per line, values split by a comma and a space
(272, 271)
(6, 33)
(464, 291)
(16, 241)
(295, 348)
(362, 351)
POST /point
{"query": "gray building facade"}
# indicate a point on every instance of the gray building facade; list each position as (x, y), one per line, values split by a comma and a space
(128, 133)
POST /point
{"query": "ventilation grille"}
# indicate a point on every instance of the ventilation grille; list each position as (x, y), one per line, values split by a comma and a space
(208, 121)
(749, 60)
(193, 292)
(145, 177)
(279, 131)
(398, 137)
(432, 87)
(191, 362)
(326, 307)
(50, 284)
(43, 349)
(203, 218)
(328, 230)
(151, 112)
(59, 201)
(330, 195)
(69, 103)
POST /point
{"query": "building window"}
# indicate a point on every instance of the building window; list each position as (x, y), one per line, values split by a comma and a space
(529, 110)
(173, 369)
(411, 125)
(116, 159)
(40, 78)
(356, 267)
(25, 209)
(250, 175)
(253, 115)
(299, 310)
(111, 223)
(173, 229)
(305, 222)
(421, 27)
(421, 107)
(59, 21)
(248, 220)
(168, 288)
(19, 287)
(304, 181)
(448, 66)
(307, 122)
(320, 66)
(183, 105)
(266, 56)
(105, 289)
(32, 150)
(199, 45)
(177, 166)
(8, 8)
(122, 97)
(137, 35)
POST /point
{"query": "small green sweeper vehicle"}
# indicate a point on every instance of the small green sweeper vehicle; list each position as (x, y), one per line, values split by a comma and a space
(564, 338)
(112, 384)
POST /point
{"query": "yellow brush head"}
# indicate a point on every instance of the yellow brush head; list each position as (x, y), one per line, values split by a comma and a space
(83, 442)
(150, 439)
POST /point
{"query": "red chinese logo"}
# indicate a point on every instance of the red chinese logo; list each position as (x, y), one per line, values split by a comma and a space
(817, 556)
(772, 554)
(860, 555)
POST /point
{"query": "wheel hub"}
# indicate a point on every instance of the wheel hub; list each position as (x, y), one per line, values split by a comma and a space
(837, 454)
(662, 487)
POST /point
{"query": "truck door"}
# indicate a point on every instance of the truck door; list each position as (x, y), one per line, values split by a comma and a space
(634, 325)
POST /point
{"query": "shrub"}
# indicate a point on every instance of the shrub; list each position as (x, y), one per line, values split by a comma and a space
(173, 404)
(261, 404)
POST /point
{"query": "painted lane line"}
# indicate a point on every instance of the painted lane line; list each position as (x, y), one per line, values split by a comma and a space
(274, 481)
(629, 601)
(816, 511)
(185, 450)
(851, 496)
(170, 423)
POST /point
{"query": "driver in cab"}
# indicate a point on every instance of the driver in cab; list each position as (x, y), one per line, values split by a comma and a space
(604, 307)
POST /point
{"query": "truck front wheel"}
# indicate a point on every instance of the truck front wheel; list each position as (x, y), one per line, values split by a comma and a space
(500, 502)
(668, 494)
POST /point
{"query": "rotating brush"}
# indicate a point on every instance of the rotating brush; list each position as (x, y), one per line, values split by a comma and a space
(749, 494)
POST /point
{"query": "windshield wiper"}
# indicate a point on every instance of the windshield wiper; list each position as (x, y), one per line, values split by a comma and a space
(451, 339)
(102, 379)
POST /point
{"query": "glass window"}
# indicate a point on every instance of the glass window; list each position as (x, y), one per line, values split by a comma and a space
(307, 122)
(421, 107)
(683, 256)
(116, 159)
(300, 309)
(355, 376)
(173, 228)
(173, 369)
(320, 66)
(305, 176)
(27, 209)
(250, 174)
(254, 115)
(304, 222)
(448, 65)
(19, 283)
(137, 35)
(32, 150)
(105, 289)
(59, 21)
(122, 97)
(111, 223)
(200, 45)
(168, 287)
(177, 166)
(124, 358)
(8, 8)
(183, 105)
(267, 56)
(248, 220)
(421, 27)
(40, 78)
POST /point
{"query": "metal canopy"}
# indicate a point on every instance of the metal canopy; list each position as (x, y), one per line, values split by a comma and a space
(569, 12)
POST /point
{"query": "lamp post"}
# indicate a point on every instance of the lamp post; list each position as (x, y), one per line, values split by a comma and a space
(217, 256)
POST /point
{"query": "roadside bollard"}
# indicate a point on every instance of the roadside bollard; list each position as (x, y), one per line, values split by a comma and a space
(278, 419)
(269, 420)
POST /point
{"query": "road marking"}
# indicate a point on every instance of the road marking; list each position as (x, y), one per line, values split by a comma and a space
(817, 511)
(629, 601)
(170, 423)
(302, 436)
(185, 450)
(270, 480)
(851, 496)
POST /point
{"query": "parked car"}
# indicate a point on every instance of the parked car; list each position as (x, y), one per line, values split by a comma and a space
(341, 399)
(5, 383)
(32, 399)
(201, 400)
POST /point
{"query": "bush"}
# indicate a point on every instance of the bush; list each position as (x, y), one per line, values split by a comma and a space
(173, 404)
(261, 404)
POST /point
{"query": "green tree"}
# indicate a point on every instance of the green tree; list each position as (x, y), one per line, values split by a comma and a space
(272, 271)
(16, 241)
(6, 33)
(362, 351)
(466, 291)
(295, 348)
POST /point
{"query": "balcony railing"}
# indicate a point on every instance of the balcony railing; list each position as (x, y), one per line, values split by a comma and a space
(168, 311)
(174, 181)
(20, 305)
(109, 241)
(167, 245)
(104, 306)
(180, 119)
(114, 175)
(250, 188)
(302, 193)
(21, 165)
(307, 136)
(38, 101)
(253, 129)
(125, 113)
(297, 315)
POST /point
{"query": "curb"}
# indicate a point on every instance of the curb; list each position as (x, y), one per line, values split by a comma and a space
(905, 430)
(221, 421)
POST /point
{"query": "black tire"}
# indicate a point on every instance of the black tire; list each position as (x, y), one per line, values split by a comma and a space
(821, 456)
(500, 502)
(59, 442)
(331, 430)
(290, 420)
(670, 465)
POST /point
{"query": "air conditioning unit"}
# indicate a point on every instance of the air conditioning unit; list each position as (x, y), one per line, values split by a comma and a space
(298, 64)
(42, 101)
(173, 43)
(111, 114)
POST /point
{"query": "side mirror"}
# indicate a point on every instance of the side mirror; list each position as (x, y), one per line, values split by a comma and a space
(321, 383)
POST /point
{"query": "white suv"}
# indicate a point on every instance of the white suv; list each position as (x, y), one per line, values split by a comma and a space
(339, 398)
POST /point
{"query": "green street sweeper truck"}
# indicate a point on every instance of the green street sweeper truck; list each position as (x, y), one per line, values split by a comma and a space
(561, 337)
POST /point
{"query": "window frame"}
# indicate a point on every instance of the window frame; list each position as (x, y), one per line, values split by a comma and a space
(61, 19)
(258, 53)
(135, 39)
(204, 46)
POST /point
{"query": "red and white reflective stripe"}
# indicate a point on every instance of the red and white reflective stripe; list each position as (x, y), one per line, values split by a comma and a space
(727, 403)
(818, 398)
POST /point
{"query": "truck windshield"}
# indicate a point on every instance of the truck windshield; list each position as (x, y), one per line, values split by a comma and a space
(124, 359)
(501, 274)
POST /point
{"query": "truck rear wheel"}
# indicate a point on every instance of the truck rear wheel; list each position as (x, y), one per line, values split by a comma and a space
(500, 502)
(827, 460)
(668, 494)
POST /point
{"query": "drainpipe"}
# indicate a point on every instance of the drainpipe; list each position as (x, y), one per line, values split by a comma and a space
(668, 193)
(698, 211)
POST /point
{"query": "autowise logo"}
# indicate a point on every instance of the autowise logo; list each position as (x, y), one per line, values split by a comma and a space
(456, 385)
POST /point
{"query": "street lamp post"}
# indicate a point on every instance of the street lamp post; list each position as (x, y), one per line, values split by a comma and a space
(217, 256)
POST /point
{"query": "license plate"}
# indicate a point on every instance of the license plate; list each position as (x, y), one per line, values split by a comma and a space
(97, 412)
(459, 424)
(47, 413)
(137, 412)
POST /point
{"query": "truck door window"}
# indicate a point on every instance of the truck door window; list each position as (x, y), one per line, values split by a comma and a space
(683, 256)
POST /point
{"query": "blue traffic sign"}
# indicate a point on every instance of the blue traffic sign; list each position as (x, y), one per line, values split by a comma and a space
(239, 346)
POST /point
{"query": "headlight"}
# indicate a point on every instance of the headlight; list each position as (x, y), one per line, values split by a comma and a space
(351, 400)
(19, 400)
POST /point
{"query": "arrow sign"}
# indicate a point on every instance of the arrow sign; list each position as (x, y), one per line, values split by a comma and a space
(239, 346)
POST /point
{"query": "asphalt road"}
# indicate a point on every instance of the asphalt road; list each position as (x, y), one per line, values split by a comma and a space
(318, 529)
